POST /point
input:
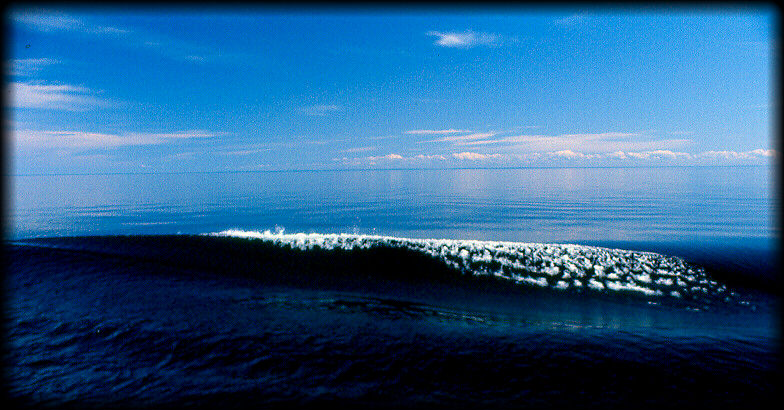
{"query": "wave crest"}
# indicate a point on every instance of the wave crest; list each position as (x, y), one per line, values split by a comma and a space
(556, 266)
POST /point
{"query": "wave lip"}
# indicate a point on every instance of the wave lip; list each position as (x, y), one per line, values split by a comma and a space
(555, 266)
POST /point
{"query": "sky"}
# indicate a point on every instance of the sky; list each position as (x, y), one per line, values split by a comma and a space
(189, 89)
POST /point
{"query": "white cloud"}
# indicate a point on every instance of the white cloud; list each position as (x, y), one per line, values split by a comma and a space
(638, 155)
(52, 21)
(568, 154)
(592, 159)
(475, 156)
(47, 22)
(82, 140)
(372, 160)
(616, 155)
(420, 158)
(669, 154)
(655, 154)
(465, 39)
(436, 132)
(52, 96)
(720, 154)
(28, 66)
(763, 152)
(734, 155)
(430, 157)
(726, 155)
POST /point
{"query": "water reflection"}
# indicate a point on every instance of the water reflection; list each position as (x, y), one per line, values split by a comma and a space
(531, 205)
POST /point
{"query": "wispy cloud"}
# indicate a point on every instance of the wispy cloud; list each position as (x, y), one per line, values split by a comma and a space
(561, 139)
(320, 110)
(389, 156)
(82, 140)
(53, 97)
(244, 152)
(185, 50)
(464, 39)
(590, 142)
(585, 142)
(176, 49)
(244, 149)
(55, 21)
(611, 146)
(28, 66)
(435, 132)
(462, 139)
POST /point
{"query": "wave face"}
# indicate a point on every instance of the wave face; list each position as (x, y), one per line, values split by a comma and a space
(553, 266)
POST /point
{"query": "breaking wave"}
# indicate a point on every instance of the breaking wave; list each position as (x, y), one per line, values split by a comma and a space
(554, 266)
(199, 321)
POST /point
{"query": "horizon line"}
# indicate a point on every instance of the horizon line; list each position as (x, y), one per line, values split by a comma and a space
(382, 169)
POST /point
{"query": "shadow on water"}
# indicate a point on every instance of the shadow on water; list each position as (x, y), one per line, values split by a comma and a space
(384, 273)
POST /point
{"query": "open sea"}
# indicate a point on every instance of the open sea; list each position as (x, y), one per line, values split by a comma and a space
(461, 288)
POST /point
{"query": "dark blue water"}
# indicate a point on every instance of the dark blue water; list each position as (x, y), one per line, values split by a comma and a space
(117, 298)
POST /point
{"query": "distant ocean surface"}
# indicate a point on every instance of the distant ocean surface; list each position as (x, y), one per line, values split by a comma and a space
(463, 288)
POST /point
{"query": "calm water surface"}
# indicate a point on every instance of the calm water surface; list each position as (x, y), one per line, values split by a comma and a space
(530, 205)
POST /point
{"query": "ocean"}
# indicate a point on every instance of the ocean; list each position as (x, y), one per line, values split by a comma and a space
(451, 288)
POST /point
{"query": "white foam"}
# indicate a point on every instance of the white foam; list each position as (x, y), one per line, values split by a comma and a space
(567, 265)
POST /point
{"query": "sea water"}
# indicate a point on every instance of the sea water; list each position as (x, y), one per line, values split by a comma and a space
(538, 287)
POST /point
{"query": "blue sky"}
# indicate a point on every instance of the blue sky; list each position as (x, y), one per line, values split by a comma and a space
(222, 89)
